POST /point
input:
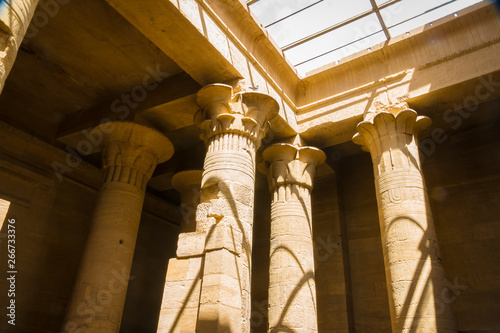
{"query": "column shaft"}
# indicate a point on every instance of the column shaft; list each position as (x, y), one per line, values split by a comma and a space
(181, 295)
(130, 155)
(105, 267)
(233, 126)
(415, 275)
(15, 17)
(292, 288)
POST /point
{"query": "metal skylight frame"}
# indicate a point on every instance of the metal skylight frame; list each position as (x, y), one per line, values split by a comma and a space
(376, 9)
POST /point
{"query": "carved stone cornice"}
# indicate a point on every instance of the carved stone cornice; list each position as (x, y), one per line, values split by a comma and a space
(286, 164)
(244, 114)
(131, 153)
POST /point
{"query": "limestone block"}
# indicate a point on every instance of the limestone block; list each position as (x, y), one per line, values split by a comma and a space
(183, 269)
(224, 236)
(191, 244)
(221, 262)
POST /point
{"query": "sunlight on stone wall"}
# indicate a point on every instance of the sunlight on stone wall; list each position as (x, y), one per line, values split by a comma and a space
(4, 208)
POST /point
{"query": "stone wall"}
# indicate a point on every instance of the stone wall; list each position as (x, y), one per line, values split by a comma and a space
(260, 256)
(331, 257)
(51, 227)
(463, 179)
(369, 291)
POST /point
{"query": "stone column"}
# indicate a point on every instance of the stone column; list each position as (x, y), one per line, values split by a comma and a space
(415, 275)
(188, 183)
(15, 17)
(181, 295)
(233, 125)
(130, 155)
(292, 289)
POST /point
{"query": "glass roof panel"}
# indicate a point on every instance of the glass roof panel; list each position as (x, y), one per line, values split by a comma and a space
(336, 55)
(381, 2)
(313, 33)
(408, 9)
(269, 11)
(336, 39)
(314, 19)
(448, 8)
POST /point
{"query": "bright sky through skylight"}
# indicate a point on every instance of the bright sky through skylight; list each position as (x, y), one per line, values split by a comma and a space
(313, 33)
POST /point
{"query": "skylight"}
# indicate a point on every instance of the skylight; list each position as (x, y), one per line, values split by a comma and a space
(313, 33)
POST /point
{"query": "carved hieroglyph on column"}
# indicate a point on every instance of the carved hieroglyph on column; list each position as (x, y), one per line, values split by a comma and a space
(292, 288)
(233, 126)
(130, 155)
(415, 275)
(179, 308)
(15, 17)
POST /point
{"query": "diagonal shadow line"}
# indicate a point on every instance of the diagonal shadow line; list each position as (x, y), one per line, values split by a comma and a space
(295, 190)
(191, 290)
(282, 329)
(246, 246)
(418, 270)
(309, 223)
(193, 286)
(309, 274)
(412, 158)
(184, 303)
(279, 326)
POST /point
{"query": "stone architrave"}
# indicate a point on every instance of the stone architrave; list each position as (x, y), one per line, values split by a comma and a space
(292, 289)
(233, 125)
(414, 272)
(179, 308)
(15, 17)
(129, 157)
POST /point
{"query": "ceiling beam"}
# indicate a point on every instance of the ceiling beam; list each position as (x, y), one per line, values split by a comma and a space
(173, 32)
(168, 97)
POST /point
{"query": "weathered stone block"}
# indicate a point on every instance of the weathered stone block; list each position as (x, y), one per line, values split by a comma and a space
(224, 236)
(191, 244)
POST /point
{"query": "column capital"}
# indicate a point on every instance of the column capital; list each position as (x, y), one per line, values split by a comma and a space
(286, 164)
(130, 152)
(224, 111)
(383, 123)
(185, 180)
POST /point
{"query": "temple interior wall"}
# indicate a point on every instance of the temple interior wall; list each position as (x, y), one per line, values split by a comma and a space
(462, 177)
